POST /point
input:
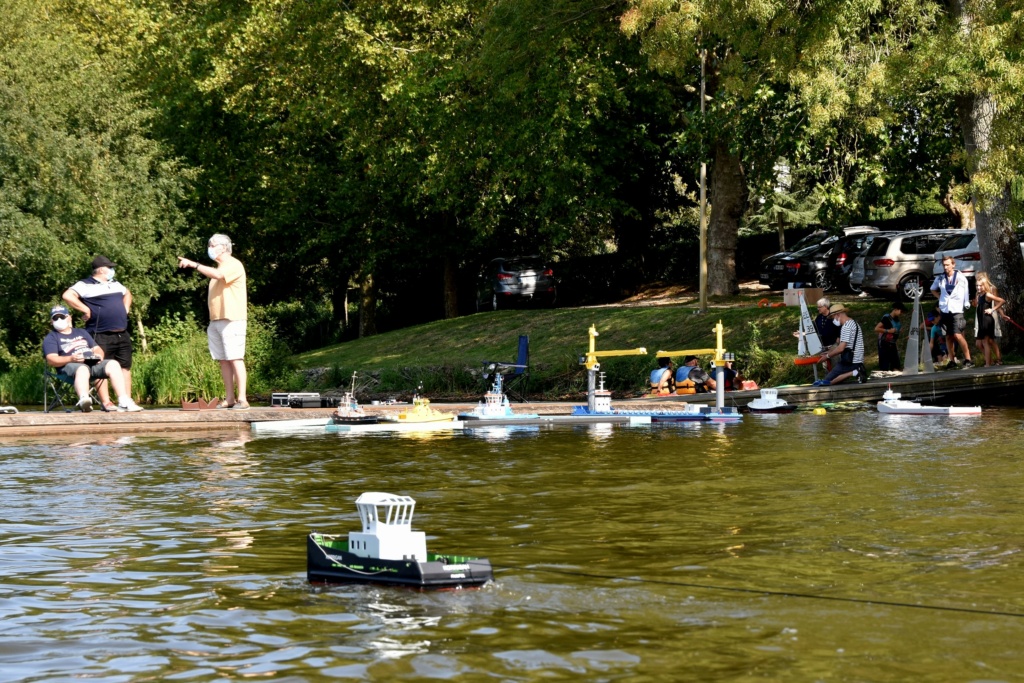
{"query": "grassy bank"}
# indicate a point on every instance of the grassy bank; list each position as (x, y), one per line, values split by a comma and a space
(447, 355)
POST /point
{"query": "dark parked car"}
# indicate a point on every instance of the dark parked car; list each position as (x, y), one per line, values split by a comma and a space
(773, 268)
(840, 261)
(505, 281)
(810, 266)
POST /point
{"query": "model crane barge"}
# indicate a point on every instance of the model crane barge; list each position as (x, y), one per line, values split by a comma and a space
(388, 551)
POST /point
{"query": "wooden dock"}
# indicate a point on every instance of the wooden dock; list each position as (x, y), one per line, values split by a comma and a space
(966, 387)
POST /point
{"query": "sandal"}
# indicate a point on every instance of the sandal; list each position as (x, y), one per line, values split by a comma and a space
(222, 404)
(109, 407)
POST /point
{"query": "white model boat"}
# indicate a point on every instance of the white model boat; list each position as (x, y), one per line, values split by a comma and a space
(495, 406)
(770, 403)
(892, 404)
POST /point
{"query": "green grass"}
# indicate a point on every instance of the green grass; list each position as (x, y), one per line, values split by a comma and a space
(762, 338)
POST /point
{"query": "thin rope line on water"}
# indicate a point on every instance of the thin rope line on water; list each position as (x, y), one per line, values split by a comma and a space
(773, 593)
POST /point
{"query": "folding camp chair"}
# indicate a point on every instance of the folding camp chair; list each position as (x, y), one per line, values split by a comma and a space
(517, 373)
(59, 393)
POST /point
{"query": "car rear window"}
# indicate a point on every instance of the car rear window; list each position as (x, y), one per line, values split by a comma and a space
(879, 246)
(523, 264)
(814, 239)
(957, 242)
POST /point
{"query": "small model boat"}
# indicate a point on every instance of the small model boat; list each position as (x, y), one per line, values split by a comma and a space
(495, 406)
(419, 412)
(892, 404)
(769, 402)
(349, 411)
(388, 551)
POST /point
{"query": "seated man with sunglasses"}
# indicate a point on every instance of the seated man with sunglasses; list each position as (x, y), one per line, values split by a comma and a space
(78, 360)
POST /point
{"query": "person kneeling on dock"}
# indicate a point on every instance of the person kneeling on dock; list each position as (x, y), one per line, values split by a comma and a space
(661, 378)
(849, 352)
(692, 379)
(78, 360)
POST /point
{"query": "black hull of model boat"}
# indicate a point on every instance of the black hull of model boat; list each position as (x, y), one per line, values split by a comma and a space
(362, 420)
(331, 565)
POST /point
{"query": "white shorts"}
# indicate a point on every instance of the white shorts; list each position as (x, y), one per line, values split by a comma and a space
(226, 339)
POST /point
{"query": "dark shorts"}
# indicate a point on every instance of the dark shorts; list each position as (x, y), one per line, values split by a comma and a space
(97, 371)
(116, 346)
(954, 323)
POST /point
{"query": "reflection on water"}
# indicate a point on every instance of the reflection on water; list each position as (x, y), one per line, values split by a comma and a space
(619, 552)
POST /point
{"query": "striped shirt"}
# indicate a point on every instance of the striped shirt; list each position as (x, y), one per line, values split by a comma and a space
(854, 338)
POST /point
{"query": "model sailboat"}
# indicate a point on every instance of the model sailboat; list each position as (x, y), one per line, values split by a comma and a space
(808, 343)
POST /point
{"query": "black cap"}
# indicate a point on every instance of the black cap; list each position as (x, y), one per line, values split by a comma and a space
(102, 262)
(689, 358)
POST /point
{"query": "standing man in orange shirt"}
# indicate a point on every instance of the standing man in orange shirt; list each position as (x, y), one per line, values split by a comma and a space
(228, 315)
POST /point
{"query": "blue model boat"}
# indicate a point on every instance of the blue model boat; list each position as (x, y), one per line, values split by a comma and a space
(495, 406)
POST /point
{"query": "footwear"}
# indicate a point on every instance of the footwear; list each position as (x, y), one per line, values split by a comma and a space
(128, 406)
(968, 364)
(84, 404)
(951, 365)
(240, 405)
(222, 404)
(821, 383)
(109, 407)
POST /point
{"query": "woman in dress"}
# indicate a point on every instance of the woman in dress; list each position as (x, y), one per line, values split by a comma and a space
(986, 326)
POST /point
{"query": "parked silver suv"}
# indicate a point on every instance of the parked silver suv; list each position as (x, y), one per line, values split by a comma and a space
(963, 246)
(896, 264)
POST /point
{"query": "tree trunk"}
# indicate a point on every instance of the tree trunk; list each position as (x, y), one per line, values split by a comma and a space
(451, 289)
(960, 212)
(339, 303)
(143, 344)
(1000, 249)
(367, 306)
(728, 198)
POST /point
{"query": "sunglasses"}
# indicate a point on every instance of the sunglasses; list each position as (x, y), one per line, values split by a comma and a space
(59, 316)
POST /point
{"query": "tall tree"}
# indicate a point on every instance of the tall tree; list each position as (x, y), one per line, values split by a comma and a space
(80, 173)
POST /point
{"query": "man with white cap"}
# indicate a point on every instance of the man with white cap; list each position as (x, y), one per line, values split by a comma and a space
(227, 302)
(104, 304)
(78, 360)
(848, 353)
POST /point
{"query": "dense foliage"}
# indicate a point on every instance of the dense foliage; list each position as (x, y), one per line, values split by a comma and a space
(367, 157)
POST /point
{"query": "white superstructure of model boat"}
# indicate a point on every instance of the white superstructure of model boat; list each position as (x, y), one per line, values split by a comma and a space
(769, 402)
(495, 406)
(892, 404)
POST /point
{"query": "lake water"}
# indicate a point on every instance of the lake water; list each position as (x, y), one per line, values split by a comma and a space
(850, 546)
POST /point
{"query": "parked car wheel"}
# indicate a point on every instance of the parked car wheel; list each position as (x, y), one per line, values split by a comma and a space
(911, 284)
(822, 281)
(852, 288)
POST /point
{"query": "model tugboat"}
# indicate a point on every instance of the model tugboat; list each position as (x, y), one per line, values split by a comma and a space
(770, 403)
(388, 551)
(495, 406)
(892, 404)
(419, 412)
(349, 411)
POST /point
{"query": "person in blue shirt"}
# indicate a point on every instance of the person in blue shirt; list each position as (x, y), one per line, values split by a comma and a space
(692, 378)
(662, 382)
(76, 357)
